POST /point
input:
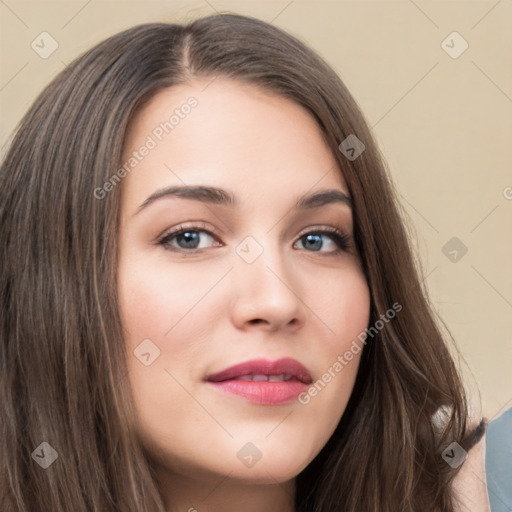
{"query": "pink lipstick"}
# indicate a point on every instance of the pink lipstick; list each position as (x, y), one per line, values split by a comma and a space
(263, 382)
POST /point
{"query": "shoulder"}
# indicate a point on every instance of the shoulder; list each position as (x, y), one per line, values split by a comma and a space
(498, 462)
(470, 484)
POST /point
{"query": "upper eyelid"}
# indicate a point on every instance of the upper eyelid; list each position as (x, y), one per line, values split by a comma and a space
(193, 227)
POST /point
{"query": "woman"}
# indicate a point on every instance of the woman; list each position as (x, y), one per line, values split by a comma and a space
(209, 300)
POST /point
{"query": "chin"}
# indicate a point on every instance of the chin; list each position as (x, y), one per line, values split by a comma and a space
(272, 468)
(266, 475)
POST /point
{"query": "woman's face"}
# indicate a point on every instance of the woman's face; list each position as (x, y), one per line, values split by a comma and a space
(249, 279)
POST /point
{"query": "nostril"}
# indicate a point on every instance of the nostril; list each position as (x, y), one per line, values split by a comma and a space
(256, 320)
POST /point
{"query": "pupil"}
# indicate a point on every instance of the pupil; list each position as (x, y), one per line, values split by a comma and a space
(191, 239)
(316, 241)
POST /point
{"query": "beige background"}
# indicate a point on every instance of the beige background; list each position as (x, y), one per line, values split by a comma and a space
(444, 124)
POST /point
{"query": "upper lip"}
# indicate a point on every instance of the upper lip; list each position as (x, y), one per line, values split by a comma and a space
(285, 366)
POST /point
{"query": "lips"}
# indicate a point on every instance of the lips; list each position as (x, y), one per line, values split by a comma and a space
(263, 382)
(260, 370)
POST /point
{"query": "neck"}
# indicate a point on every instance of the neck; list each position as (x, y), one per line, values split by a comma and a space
(218, 493)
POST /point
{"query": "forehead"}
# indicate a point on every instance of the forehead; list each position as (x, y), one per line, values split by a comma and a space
(230, 134)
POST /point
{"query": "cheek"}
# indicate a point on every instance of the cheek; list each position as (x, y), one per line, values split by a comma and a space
(157, 302)
(168, 313)
(344, 308)
(159, 312)
(164, 312)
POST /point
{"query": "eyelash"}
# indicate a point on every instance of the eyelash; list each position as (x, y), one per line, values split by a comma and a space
(341, 239)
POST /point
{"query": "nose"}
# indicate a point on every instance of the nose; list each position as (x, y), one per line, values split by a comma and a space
(267, 294)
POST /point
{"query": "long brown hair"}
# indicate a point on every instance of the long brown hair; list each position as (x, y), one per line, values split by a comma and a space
(62, 354)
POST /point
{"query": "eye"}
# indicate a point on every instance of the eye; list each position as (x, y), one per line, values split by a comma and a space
(192, 238)
(195, 238)
(315, 241)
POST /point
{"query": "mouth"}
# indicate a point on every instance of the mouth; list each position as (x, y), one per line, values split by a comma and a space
(263, 382)
(265, 378)
(261, 370)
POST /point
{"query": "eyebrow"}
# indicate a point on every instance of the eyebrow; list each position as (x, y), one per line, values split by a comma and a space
(219, 196)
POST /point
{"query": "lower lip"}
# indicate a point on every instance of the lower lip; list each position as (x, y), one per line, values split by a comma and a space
(262, 392)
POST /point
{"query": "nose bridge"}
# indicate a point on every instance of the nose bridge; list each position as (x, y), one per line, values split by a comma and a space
(262, 260)
(264, 283)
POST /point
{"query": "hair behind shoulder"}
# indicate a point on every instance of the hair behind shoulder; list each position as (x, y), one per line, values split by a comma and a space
(60, 328)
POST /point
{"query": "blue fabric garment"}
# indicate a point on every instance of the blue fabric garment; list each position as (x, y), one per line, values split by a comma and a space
(498, 462)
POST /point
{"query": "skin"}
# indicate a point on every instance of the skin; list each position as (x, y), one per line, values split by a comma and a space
(470, 484)
(210, 309)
